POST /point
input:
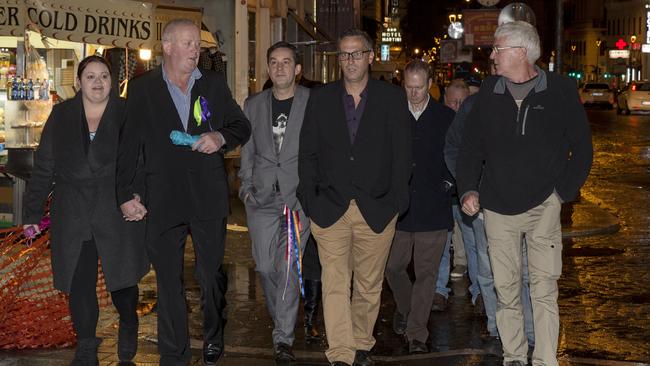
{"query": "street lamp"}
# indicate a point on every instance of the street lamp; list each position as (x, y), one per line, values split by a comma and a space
(598, 42)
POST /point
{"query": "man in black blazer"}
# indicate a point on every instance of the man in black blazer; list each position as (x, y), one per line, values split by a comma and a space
(186, 188)
(354, 166)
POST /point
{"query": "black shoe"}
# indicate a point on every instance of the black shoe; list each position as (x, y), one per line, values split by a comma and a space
(212, 353)
(339, 363)
(416, 346)
(399, 323)
(86, 352)
(312, 299)
(439, 302)
(283, 353)
(362, 358)
(479, 306)
(127, 342)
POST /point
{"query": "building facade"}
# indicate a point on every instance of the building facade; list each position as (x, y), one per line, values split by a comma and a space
(603, 40)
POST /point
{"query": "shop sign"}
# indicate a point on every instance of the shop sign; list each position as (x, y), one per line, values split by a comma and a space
(619, 53)
(645, 48)
(391, 35)
(119, 23)
(479, 26)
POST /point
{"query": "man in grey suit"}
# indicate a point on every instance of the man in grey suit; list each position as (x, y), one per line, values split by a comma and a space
(269, 177)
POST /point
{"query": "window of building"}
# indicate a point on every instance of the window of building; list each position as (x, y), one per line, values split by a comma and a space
(609, 27)
(630, 28)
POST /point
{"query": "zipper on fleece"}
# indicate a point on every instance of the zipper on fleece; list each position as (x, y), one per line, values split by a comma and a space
(523, 124)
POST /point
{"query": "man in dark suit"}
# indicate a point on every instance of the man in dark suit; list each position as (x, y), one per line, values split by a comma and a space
(354, 166)
(186, 189)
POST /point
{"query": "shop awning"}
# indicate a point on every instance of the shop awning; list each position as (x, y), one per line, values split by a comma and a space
(118, 23)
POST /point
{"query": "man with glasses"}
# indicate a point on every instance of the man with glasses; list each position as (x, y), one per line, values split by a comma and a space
(532, 133)
(354, 167)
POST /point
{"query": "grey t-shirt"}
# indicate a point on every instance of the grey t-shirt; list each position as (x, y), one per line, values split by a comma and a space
(519, 91)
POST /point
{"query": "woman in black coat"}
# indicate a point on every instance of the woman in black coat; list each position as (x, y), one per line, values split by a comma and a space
(76, 160)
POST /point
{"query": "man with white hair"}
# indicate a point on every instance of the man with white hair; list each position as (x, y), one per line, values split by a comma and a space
(530, 129)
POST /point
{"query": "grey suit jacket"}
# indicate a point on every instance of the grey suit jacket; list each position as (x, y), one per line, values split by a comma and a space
(261, 166)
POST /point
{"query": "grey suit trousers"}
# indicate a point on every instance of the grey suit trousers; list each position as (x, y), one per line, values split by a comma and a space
(268, 232)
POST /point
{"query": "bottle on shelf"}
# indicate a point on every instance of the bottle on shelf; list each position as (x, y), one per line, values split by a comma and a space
(37, 89)
(29, 89)
(15, 93)
(23, 89)
(10, 84)
(45, 90)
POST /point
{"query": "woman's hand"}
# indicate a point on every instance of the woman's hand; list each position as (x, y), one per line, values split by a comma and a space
(31, 230)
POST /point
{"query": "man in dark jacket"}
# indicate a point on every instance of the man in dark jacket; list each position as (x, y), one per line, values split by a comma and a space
(354, 165)
(186, 188)
(422, 231)
(530, 129)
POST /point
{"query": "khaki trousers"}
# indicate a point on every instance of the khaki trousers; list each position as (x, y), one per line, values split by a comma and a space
(350, 246)
(541, 227)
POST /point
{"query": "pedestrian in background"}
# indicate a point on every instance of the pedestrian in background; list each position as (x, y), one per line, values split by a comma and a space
(457, 91)
(422, 231)
(484, 275)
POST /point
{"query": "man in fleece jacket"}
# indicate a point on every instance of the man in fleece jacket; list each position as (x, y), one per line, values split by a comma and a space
(530, 129)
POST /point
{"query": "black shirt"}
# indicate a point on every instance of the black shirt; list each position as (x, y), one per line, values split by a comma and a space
(280, 116)
(352, 114)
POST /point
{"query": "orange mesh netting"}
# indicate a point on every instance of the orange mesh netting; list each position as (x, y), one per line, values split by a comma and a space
(32, 313)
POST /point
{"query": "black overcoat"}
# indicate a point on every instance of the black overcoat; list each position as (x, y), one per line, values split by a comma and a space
(81, 175)
(181, 184)
(430, 200)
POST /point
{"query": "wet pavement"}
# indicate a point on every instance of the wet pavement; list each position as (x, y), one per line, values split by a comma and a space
(604, 295)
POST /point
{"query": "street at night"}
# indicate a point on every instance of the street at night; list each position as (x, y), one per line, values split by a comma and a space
(324, 182)
(604, 300)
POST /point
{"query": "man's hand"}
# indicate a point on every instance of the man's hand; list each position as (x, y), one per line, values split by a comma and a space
(471, 204)
(209, 143)
(133, 210)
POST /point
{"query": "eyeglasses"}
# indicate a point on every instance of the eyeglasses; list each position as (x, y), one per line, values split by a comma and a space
(356, 55)
(497, 49)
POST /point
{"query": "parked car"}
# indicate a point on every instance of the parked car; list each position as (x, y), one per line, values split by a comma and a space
(635, 97)
(597, 94)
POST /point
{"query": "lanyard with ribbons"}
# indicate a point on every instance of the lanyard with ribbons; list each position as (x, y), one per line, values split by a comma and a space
(294, 252)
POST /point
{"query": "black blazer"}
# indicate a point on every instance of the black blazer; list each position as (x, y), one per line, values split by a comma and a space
(430, 203)
(181, 184)
(374, 170)
(82, 176)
